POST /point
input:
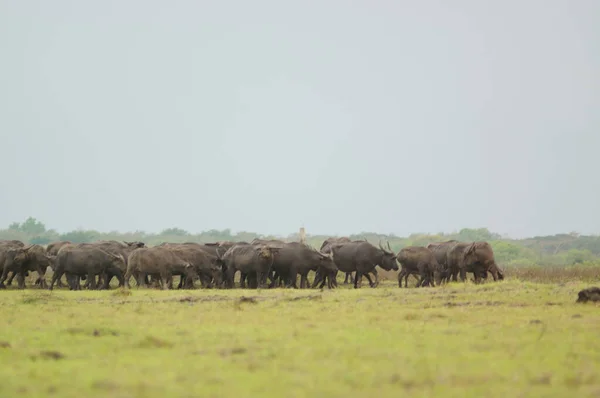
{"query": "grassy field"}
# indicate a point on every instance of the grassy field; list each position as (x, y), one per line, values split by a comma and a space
(507, 339)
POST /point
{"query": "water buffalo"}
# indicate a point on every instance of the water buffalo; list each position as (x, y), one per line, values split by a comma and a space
(440, 251)
(162, 263)
(87, 261)
(21, 260)
(421, 261)
(475, 257)
(6, 245)
(589, 294)
(326, 248)
(273, 274)
(116, 248)
(363, 257)
(52, 250)
(208, 266)
(297, 258)
(248, 259)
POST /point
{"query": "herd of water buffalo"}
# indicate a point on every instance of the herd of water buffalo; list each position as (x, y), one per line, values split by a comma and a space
(261, 263)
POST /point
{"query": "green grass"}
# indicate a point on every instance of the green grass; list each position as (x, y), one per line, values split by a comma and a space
(507, 339)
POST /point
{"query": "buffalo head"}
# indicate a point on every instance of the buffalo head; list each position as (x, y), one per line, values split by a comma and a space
(266, 252)
(326, 260)
(388, 258)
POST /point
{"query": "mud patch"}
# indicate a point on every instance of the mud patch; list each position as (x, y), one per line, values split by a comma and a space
(194, 299)
(48, 355)
(233, 351)
(310, 298)
(244, 299)
(96, 332)
(452, 304)
(4, 344)
(154, 342)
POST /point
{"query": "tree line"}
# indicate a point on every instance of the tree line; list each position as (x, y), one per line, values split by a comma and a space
(553, 250)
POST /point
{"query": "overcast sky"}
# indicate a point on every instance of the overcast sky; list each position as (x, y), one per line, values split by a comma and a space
(383, 116)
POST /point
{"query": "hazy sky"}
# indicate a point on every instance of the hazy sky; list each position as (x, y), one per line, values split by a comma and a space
(384, 116)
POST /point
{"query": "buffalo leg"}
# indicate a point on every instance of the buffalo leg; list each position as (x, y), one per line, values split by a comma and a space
(143, 280)
(334, 276)
(324, 278)
(318, 278)
(55, 277)
(357, 279)
(293, 278)
(304, 284)
(91, 281)
(400, 276)
(21, 280)
(371, 283)
(260, 276)
(9, 281)
(330, 278)
(348, 278)
(455, 276)
(42, 279)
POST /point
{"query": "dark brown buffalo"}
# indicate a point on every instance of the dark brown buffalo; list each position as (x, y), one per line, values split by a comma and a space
(160, 262)
(298, 258)
(116, 248)
(249, 260)
(208, 266)
(86, 261)
(362, 257)
(326, 248)
(421, 261)
(475, 257)
(52, 250)
(589, 294)
(22, 260)
(440, 251)
(273, 274)
(6, 245)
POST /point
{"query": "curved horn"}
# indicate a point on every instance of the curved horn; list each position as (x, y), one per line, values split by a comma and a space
(388, 245)
(327, 255)
(108, 253)
(27, 247)
(470, 248)
(320, 253)
(218, 254)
